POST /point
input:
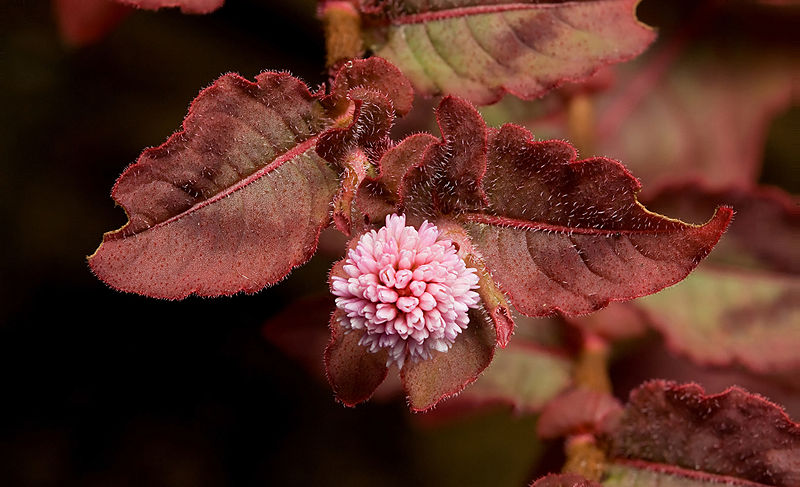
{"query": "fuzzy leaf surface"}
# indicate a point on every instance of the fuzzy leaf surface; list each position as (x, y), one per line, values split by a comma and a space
(230, 203)
(480, 50)
(570, 236)
(186, 6)
(734, 433)
(752, 319)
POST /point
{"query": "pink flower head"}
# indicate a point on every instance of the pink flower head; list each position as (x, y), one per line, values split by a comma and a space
(408, 289)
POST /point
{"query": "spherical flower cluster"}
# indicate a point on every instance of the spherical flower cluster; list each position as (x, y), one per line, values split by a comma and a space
(409, 291)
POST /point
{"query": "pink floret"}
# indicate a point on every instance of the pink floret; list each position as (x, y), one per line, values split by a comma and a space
(407, 289)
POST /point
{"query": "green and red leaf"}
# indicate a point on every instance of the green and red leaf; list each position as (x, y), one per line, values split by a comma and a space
(720, 317)
(481, 50)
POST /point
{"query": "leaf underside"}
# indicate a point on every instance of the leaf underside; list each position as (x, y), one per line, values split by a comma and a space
(480, 51)
(734, 433)
(231, 203)
(564, 480)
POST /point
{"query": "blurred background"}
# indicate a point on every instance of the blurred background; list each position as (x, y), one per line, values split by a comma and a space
(101, 388)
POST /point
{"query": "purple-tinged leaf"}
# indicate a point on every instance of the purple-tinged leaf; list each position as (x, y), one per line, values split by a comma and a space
(230, 203)
(186, 6)
(575, 412)
(734, 433)
(724, 317)
(447, 373)
(523, 375)
(480, 50)
(564, 480)
(569, 236)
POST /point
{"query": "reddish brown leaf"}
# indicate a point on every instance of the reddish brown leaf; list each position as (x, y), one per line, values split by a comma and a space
(569, 236)
(452, 170)
(447, 373)
(577, 411)
(480, 50)
(727, 317)
(734, 433)
(237, 198)
(712, 111)
(83, 22)
(353, 371)
(186, 6)
(230, 203)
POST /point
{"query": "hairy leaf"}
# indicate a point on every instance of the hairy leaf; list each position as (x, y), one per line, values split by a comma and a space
(734, 433)
(230, 203)
(480, 50)
(723, 317)
(82, 22)
(447, 373)
(524, 376)
(557, 234)
(238, 197)
(569, 236)
(186, 6)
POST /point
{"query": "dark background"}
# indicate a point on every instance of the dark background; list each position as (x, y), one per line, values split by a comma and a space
(103, 388)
